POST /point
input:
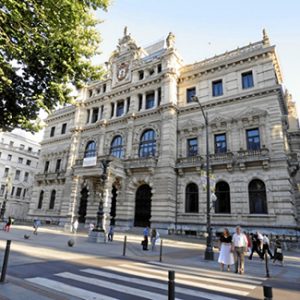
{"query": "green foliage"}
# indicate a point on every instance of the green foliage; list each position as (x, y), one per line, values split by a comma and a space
(44, 46)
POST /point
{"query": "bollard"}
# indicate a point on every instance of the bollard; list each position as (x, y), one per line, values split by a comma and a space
(160, 250)
(267, 265)
(171, 286)
(268, 294)
(5, 261)
(124, 245)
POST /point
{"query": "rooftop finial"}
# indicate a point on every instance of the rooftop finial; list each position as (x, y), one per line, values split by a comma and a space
(125, 31)
(266, 39)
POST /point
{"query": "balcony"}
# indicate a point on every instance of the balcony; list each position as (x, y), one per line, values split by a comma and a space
(57, 176)
(191, 161)
(253, 157)
(222, 159)
(140, 163)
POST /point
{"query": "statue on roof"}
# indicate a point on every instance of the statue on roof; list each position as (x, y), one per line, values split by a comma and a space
(125, 31)
(170, 40)
(266, 39)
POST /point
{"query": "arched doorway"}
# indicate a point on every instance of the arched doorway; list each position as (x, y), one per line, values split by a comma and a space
(83, 205)
(113, 206)
(143, 206)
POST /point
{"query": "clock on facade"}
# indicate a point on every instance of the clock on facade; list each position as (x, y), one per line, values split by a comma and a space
(122, 71)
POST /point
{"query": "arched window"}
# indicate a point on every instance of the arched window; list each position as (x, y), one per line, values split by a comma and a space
(52, 199)
(191, 198)
(223, 198)
(40, 204)
(148, 144)
(257, 197)
(90, 149)
(116, 147)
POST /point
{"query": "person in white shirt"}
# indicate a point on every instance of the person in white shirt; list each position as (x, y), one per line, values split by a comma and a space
(239, 247)
(266, 246)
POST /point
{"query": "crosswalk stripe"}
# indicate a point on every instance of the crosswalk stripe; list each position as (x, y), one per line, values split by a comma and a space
(137, 271)
(113, 286)
(203, 278)
(164, 286)
(245, 278)
(68, 289)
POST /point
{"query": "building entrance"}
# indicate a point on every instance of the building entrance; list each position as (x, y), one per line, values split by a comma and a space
(143, 206)
(83, 205)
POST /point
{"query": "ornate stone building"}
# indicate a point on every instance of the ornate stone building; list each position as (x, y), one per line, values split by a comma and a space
(143, 117)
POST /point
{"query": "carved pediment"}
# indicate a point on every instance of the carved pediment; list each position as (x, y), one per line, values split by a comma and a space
(219, 120)
(190, 125)
(251, 112)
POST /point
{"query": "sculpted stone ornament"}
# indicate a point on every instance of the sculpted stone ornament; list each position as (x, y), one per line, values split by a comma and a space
(170, 40)
(122, 71)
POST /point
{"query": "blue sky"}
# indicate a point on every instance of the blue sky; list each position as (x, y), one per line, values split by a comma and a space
(206, 28)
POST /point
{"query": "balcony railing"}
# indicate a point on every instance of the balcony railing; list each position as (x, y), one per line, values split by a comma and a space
(141, 162)
(50, 176)
(191, 161)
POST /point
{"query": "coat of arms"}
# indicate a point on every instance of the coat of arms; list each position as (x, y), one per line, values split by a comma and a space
(122, 71)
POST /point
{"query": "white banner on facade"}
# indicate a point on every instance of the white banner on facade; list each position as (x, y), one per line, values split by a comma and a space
(89, 161)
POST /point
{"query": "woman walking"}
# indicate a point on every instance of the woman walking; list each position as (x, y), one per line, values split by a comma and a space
(226, 256)
(278, 255)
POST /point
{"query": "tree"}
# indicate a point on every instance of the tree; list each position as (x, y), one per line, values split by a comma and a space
(45, 45)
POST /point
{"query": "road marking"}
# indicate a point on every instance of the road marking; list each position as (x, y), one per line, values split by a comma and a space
(68, 289)
(138, 271)
(162, 286)
(113, 286)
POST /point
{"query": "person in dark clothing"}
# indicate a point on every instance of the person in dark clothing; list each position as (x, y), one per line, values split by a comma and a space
(278, 255)
(145, 241)
(255, 246)
(8, 224)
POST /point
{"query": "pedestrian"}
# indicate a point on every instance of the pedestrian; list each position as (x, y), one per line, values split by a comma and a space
(239, 247)
(154, 238)
(91, 227)
(260, 240)
(110, 235)
(226, 255)
(266, 246)
(255, 246)
(8, 224)
(145, 240)
(278, 255)
(36, 224)
(75, 226)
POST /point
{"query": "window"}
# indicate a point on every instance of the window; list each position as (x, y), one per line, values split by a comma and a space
(104, 88)
(140, 101)
(158, 68)
(58, 163)
(29, 149)
(52, 199)
(98, 91)
(220, 143)
(257, 197)
(112, 109)
(158, 96)
(128, 105)
(46, 169)
(90, 149)
(217, 88)
(22, 147)
(88, 113)
(17, 175)
(24, 193)
(150, 100)
(6, 171)
(247, 80)
(253, 139)
(191, 198)
(19, 192)
(120, 108)
(223, 198)
(26, 176)
(148, 144)
(52, 132)
(20, 160)
(41, 198)
(192, 147)
(9, 157)
(63, 128)
(141, 75)
(151, 72)
(28, 162)
(191, 92)
(12, 191)
(2, 190)
(116, 147)
(95, 115)
(90, 93)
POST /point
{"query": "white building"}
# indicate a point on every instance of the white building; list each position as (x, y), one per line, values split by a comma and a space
(18, 165)
(142, 116)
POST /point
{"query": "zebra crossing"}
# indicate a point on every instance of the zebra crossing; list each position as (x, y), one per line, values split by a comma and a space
(149, 281)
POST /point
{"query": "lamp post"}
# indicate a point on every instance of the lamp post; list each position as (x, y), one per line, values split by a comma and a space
(100, 213)
(209, 254)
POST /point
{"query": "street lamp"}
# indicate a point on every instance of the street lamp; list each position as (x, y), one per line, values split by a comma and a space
(100, 213)
(209, 254)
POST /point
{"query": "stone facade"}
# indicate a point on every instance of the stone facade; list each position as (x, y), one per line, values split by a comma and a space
(19, 158)
(142, 117)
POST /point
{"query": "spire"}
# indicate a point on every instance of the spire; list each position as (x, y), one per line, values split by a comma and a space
(266, 40)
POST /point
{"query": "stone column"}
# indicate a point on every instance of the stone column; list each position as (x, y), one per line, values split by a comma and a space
(144, 101)
(125, 106)
(115, 109)
(155, 97)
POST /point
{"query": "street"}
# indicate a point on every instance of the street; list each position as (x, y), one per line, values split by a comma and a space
(47, 268)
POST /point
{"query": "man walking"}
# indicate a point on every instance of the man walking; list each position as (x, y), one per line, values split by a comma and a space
(75, 226)
(239, 245)
(266, 246)
(255, 246)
